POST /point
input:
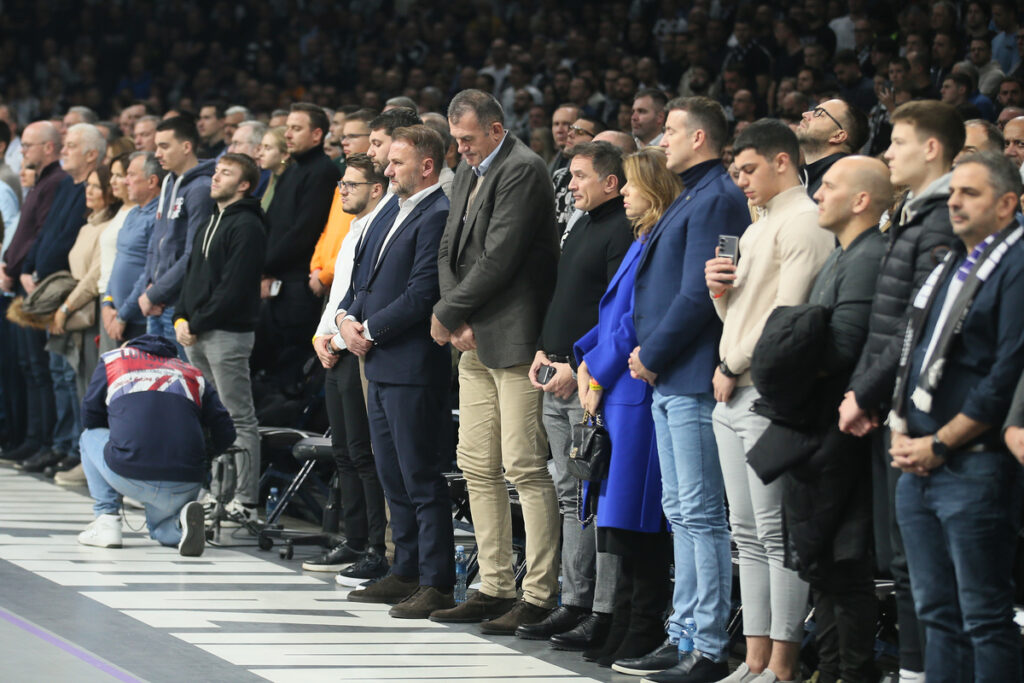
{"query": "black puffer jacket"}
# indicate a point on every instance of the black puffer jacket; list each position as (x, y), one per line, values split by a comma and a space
(914, 249)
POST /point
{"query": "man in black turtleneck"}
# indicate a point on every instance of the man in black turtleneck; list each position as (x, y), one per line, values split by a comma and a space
(827, 133)
(302, 201)
(591, 252)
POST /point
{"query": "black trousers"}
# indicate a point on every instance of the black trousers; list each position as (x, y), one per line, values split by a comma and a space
(11, 379)
(362, 498)
(845, 611)
(284, 325)
(40, 404)
(889, 550)
(405, 424)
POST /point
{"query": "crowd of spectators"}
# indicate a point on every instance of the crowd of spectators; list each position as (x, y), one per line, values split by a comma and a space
(624, 208)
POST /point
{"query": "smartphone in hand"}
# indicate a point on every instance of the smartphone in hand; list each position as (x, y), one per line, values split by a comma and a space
(729, 247)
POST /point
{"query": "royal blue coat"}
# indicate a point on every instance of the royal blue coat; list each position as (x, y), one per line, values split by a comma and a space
(630, 497)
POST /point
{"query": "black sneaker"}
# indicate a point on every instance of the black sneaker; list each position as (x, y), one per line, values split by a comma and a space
(338, 557)
(692, 668)
(665, 657)
(372, 565)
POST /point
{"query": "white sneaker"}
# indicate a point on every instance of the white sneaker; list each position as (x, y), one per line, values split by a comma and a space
(239, 514)
(103, 532)
(193, 531)
(908, 676)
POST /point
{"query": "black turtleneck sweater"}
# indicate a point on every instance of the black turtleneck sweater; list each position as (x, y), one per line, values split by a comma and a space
(811, 174)
(692, 175)
(590, 256)
(298, 214)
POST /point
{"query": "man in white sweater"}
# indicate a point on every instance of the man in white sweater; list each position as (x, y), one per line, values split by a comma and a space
(779, 257)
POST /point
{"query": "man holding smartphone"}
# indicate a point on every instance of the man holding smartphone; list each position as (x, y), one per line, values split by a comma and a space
(784, 250)
(590, 256)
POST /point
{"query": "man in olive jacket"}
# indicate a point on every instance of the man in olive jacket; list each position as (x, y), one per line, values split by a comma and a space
(496, 267)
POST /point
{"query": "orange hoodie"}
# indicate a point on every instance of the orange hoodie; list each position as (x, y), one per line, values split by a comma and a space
(326, 251)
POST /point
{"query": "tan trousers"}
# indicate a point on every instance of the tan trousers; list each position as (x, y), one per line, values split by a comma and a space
(500, 427)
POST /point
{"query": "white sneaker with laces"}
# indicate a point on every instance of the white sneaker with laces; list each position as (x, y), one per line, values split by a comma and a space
(239, 514)
(193, 531)
(103, 532)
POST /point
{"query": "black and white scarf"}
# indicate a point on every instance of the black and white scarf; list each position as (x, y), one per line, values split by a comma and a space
(970, 276)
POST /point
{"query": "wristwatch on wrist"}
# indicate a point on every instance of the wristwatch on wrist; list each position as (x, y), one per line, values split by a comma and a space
(726, 371)
(64, 309)
(938, 447)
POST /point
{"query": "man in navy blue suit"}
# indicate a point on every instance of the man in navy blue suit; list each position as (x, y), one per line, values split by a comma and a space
(678, 332)
(388, 322)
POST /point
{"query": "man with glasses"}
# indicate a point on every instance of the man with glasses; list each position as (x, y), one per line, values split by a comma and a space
(361, 192)
(826, 134)
(583, 129)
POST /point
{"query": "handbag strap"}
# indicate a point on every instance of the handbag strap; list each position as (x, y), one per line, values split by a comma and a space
(579, 505)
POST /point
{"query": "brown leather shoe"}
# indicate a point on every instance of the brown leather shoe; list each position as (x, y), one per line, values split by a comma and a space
(523, 613)
(477, 608)
(390, 590)
(422, 604)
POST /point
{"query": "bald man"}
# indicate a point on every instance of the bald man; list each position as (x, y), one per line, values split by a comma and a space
(1013, 140)
(982, 136)
(853, 194)
(1006, 115)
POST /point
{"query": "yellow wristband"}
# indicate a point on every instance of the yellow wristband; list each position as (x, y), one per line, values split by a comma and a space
(178, 322)
(594, 386)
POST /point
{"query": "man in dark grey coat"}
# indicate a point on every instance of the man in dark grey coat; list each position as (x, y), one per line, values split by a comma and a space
(496, 267)
(832, 491)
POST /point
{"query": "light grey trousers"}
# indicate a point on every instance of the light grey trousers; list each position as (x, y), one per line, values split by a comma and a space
(774, 598)
(588, 577)
(223, 358)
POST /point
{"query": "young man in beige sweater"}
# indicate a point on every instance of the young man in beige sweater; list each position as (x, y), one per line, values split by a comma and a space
(779, 257)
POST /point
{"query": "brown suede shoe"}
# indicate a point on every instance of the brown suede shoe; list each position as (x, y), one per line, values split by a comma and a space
(390, 590)
(477, 608)
(506, 625)
(422, 604)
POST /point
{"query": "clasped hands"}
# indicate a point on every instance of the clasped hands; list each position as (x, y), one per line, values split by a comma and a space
(462, 338)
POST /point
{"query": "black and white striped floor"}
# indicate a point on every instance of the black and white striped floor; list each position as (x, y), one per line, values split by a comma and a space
(144, 613)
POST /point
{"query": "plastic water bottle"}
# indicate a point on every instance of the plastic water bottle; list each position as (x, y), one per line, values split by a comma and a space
(686, 637)
(559, 591)
(461, 574)
(272, 500)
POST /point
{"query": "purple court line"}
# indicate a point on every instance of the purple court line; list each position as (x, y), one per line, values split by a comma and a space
(68, 647)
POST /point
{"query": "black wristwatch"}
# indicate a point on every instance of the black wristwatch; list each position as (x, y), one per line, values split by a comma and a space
(726, 371)
(939, 449)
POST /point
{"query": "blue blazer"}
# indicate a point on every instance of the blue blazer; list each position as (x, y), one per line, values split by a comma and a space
(367, 250)
(630, 497)
(398, 298)
(674, 318)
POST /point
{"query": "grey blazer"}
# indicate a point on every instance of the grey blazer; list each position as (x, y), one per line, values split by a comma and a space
(497, 270)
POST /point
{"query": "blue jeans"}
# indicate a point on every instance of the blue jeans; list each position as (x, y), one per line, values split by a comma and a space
(68, 404)
(959, 528)
(163, 326)
(693, 498)
(163, 500)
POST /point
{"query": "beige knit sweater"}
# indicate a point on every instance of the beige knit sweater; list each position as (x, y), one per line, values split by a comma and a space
(780, 255)
(84, 262)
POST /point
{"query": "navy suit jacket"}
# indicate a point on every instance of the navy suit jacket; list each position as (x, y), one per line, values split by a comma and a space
(398, 299)
(675, 321)
(369, 247)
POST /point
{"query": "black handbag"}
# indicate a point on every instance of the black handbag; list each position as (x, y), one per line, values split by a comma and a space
(591, 449)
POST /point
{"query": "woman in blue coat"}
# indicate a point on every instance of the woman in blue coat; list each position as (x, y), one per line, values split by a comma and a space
(629, 517)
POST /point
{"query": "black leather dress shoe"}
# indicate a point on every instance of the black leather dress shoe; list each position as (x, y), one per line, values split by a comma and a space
(68, 462)
(590, 631)
(665, 657)
(19, 454)
(560, 620)
(43, 458)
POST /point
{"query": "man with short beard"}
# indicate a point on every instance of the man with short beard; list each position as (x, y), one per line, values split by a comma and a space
(830, 131)
(561, 121)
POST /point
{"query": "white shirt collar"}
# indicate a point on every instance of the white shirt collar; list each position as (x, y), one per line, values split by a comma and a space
(412, 201)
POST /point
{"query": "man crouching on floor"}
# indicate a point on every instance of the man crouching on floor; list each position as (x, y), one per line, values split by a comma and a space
(144, 414)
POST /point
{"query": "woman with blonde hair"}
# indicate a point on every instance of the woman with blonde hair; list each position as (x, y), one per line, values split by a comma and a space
(272, 155)
(629, 519)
